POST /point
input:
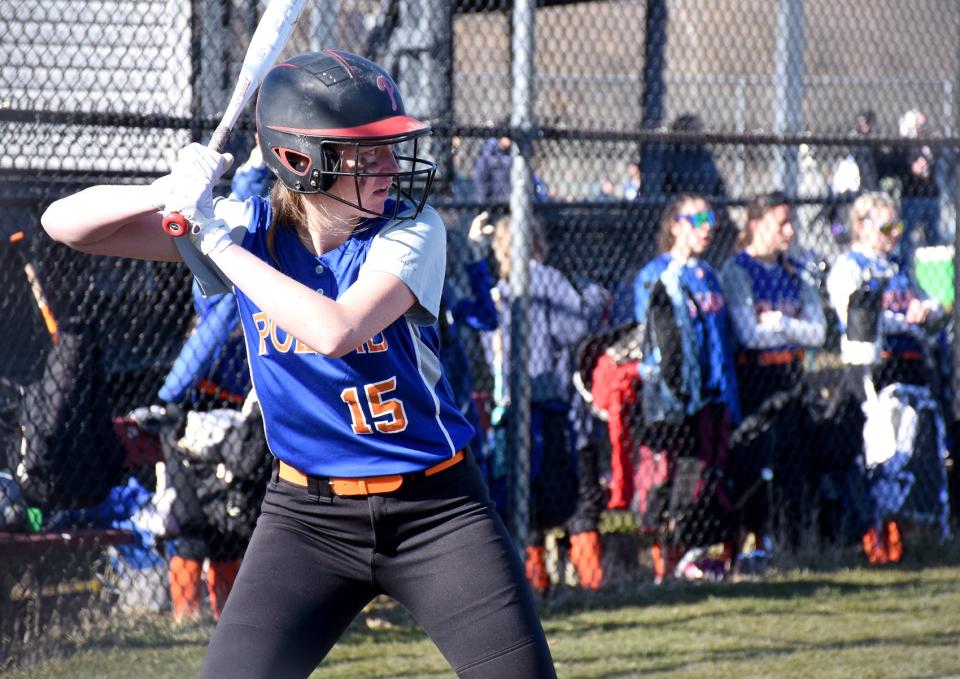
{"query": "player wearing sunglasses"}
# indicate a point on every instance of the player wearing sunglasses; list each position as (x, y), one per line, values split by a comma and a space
(892, 327)
(907, 311)
(707, 374)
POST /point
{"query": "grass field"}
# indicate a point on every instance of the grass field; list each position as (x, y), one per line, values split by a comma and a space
(895, 622)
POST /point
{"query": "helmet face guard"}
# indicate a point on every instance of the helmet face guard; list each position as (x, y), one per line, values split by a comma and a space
(320, 109)
(411, 182)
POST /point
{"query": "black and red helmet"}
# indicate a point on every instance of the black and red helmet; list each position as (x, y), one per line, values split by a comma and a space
(316, 108)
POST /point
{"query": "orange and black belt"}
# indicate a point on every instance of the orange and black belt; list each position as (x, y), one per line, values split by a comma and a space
(771, 357)
(369, 485)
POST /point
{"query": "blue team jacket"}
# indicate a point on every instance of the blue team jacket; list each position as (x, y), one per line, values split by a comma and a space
(704, 325)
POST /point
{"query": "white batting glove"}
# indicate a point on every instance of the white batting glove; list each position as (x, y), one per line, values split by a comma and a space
(196, 172)
(209, 235)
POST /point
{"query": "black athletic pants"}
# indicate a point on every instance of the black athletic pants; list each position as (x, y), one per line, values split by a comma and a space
(436, 546)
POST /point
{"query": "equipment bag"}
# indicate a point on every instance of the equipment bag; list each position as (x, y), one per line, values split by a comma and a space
(68, 456)
(664, 395)
(906, 453)
(219, 468)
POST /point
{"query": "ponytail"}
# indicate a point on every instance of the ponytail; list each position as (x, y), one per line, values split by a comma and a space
(288, 209)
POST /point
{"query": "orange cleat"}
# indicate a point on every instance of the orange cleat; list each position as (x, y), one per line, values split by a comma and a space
(585, 553)
(536, 568)
(220, 578)
(185, 576)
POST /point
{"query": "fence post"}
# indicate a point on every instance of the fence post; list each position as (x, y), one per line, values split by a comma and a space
(788, 90)
(521, 213)
(654, 92)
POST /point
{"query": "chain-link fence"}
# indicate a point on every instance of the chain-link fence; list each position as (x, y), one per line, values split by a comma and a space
(688, 346)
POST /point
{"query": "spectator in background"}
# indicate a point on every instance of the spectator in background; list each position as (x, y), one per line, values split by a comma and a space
(605, 191)
(858, 170)
(919, 190)
(633, 182)
(590, 435)
(688, 166)
(210, 371)
(897, 339)
(491, 170)
(869, 158)
(491, 173)
(556, 323)
(699, 366)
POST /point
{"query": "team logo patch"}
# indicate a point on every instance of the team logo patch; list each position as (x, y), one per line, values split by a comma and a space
(385, 85)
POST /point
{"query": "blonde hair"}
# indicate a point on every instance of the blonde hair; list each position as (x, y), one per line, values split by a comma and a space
(867, 203)
(288, 209)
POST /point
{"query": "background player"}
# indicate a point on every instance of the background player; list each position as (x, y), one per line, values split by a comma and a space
(373, 491)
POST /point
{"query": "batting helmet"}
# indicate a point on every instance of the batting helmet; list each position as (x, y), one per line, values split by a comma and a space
(321, 108)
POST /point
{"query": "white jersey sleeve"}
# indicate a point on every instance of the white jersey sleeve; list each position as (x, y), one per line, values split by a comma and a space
(415, 251)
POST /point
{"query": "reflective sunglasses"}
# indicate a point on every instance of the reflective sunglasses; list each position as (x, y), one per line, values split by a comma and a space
(698, 220)
(888, 228)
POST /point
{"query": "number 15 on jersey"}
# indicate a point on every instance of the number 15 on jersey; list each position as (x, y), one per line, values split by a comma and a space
(386, 415)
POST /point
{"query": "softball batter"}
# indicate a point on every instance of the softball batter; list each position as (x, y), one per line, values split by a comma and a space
(338, 278)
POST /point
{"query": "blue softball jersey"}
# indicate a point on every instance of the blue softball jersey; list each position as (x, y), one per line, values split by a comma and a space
(385, 407)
